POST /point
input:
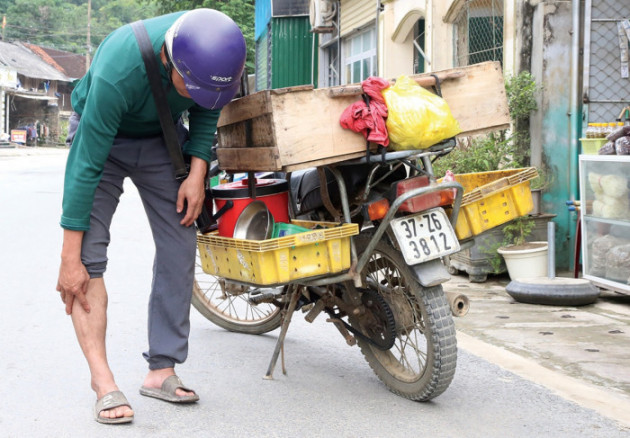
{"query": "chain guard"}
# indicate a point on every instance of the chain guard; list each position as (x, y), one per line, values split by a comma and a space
(378, 326)
(378, 322)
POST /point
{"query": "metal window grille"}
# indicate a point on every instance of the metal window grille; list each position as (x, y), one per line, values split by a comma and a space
(479, 32)
(606, 90)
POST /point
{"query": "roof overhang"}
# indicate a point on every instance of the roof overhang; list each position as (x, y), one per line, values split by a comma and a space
(34, 96)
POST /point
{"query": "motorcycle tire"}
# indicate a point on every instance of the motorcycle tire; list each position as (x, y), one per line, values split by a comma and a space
(233, 312)
(422, 362)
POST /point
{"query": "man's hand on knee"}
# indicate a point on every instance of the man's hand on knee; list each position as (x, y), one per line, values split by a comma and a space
(72, 283)
(73, 277)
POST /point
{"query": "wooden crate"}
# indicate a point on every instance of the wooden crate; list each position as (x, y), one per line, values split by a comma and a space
(293, 128)
(289, 129)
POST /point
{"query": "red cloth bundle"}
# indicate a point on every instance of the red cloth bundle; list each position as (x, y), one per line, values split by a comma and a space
(369, 120)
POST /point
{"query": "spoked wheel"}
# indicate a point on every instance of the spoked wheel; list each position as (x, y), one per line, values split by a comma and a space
(228, 305)
(421, 363)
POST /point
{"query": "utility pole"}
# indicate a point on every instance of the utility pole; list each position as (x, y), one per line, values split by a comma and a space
(89, 44)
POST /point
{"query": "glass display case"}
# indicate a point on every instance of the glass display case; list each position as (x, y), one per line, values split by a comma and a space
(605, 193)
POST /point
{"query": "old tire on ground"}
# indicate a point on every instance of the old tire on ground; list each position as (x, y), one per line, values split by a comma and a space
(553, 291)
(422, 362)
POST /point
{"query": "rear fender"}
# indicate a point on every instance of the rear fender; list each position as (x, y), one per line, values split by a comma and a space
(431, 273)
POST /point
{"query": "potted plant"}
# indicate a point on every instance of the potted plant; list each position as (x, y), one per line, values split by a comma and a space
(523, 259)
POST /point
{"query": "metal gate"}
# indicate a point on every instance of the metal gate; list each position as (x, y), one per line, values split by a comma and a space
(479, 32)
(605, 91)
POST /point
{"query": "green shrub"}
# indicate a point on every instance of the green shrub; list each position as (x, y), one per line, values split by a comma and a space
(485, 153)
(521, 95)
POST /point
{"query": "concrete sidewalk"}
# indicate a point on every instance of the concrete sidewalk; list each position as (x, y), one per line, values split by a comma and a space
(581, 353)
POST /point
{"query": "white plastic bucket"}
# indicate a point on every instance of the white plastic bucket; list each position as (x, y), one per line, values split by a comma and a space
(527, 262)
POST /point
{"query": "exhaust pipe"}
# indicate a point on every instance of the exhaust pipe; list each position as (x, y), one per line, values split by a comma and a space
(459, 303)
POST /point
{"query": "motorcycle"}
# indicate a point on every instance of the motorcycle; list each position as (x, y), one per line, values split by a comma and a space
(390, 302)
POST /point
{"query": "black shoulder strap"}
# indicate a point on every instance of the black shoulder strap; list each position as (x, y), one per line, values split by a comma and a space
(159, 95)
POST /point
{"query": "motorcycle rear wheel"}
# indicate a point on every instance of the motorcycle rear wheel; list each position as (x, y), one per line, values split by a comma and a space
(422, 362)
(232, 311)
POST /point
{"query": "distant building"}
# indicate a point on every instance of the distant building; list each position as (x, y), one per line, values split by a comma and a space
(68, 63)
(30, 94)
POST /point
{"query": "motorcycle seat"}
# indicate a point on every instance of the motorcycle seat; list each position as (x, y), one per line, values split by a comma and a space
(306, 185)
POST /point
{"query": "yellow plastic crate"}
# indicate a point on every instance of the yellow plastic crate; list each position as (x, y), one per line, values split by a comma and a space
(277, 261)
(591, 146)
(492, 199)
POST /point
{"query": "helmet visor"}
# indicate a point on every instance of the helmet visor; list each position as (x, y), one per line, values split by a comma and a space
(214, 98)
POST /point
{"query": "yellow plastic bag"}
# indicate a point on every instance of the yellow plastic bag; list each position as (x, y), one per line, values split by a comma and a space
(417, 118)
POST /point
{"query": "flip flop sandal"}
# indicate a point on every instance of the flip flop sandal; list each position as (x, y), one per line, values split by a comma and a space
(167, 391)
(111, 400)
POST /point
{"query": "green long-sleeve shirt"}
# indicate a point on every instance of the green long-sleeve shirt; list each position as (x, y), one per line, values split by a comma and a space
(114, 98)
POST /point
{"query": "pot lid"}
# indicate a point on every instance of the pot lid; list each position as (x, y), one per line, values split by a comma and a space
(254, 223)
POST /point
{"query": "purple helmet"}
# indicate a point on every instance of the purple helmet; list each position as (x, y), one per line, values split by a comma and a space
(208, 50)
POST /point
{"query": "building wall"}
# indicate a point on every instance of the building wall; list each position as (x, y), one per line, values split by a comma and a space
(355, 14)
(550, 124)
(396, 25)
(34, 112)
(17, 111)
(510, 55)
(439, 39)
(35, 84)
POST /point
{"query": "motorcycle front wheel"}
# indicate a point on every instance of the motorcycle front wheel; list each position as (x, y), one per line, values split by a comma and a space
(421, 363)
(229, 306)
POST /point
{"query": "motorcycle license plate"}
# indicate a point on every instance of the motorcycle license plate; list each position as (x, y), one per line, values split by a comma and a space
(425, 236)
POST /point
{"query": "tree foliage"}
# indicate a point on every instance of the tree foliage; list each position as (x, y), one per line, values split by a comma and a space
(63, 24)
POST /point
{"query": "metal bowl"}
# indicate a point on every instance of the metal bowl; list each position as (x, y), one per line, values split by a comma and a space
(254, 223)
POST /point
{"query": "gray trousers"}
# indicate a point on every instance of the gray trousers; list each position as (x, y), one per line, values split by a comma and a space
(146, 162)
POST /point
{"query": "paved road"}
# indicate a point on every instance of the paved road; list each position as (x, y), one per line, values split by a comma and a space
(329, 391)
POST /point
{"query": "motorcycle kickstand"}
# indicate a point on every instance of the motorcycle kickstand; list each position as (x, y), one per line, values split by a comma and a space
(295, 295)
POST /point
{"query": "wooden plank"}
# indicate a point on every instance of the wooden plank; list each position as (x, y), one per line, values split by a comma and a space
(478, 99)
(244, 159)
(234, 135)
(278, 91)
(322, 162)
(425, 80)
(244, 108)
